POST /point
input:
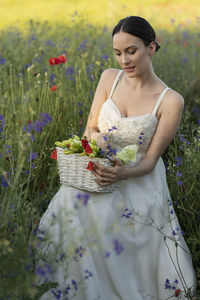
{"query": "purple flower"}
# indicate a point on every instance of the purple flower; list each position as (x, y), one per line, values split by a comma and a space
(52, 77)
(61, 257)
(105, 137)
(107, 254)
(2, 60)
(43, 120)
(40, 271)
(178, 161)
(179, 183)
(118, 247)
(32, 156)
(84, 197)
(57, 294)
(113, 128)
(171, 286)
(178, 174)
(74, 283)
(4, 181)
(67, 289)
(2, 123)
(80, 251)
(88, 274)
(126, 213)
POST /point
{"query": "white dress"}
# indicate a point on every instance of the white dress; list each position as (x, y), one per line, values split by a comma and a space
(124, 245)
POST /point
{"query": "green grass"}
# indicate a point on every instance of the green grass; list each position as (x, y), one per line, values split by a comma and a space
(27, 185)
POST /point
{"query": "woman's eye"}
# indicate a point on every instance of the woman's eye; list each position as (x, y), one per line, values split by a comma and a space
(132, 52)
(118, 54)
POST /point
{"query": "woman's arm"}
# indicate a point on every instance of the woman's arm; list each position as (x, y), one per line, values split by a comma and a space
(104, 85)
(170, 113)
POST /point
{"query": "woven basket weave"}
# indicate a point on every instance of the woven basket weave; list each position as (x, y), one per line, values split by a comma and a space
(72, 171)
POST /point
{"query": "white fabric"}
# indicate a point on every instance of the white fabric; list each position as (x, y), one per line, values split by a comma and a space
(124, 238)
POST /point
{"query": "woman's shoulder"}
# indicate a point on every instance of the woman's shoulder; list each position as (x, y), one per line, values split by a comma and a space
(107, 78)
(173, 98)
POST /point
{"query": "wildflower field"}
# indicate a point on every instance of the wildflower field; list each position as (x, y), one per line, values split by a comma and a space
(43, 100)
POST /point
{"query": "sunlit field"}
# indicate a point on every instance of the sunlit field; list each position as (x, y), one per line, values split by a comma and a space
(159, 12)
(42, 103)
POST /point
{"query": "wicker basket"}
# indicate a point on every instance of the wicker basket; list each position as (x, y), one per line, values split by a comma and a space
(73, 172)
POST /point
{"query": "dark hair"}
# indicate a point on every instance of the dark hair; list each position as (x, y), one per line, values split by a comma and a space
(138, 27)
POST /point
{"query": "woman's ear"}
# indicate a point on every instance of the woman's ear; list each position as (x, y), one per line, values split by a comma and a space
(152, 48)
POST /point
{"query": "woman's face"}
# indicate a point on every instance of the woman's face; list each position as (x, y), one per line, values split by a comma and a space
(131, 53)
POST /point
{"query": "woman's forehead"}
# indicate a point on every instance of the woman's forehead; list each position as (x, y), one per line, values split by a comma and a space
(124, 40)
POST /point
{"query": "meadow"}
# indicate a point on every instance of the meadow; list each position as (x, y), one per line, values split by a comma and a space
(41, 103)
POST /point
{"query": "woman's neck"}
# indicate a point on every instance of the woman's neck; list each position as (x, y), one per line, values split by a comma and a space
(145, 80)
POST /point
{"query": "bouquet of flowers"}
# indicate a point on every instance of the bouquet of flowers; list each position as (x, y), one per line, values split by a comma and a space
(76, 157)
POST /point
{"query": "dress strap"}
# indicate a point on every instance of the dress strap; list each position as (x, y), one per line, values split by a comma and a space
(115, 82)
(160, 100)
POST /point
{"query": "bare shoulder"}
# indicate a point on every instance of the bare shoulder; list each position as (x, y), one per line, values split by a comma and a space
(173, 102)
(107, 78)
(174, 98)
(109, 73)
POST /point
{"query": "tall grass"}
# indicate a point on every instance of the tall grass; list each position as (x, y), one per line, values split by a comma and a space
(32, 117)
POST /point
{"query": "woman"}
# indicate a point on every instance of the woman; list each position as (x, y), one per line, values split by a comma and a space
(124, 245)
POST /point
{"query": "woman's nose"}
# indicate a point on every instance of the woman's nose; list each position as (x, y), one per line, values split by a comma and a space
(125, 59)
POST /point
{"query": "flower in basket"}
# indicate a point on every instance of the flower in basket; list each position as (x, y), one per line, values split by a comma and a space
(127, 154)
(77, 145)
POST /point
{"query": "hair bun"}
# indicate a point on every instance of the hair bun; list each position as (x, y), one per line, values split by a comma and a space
(157, 46)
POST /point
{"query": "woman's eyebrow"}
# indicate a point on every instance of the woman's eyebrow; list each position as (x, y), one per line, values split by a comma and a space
(133, 46)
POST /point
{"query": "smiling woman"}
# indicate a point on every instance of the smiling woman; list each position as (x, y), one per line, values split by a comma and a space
(131, 241)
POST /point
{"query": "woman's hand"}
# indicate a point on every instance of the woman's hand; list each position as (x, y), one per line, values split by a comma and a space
(108, 175)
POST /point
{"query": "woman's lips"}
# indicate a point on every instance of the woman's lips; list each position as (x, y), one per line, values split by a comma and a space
(130, 69)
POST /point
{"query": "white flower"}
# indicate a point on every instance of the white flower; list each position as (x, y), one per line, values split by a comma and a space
(127, 154)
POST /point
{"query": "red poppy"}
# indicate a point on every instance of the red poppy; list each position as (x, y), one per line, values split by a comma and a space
(84, 143)
(86, 146)
(29, 122)
(57, 60)
(61, 59)
(177, 292)
(54, 88)
(54, 155)
(52, 61)
(88, 149)
(90, 166)
(185, 44)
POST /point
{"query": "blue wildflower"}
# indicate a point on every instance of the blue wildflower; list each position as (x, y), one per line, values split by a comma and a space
(107, 254)
(74, 283)
(52, 77)
(126, 213)
(2, 123)
(88, 274)
(32, 156)
(178, 161)
(113, 128)
(2, 61)
(57, 294)
(118, 247)
(4, 181)
(84, 197)
(67, 289)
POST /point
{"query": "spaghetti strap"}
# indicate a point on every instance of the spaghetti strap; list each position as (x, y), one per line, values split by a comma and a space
(115, 82)
(160, 100)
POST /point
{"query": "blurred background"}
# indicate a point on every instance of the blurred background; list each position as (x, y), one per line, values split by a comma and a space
(162, 13)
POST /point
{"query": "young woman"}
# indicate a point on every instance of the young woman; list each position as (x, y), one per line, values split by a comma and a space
(124, 245)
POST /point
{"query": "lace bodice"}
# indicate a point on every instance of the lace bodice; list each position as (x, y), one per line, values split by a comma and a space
(137, 130)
